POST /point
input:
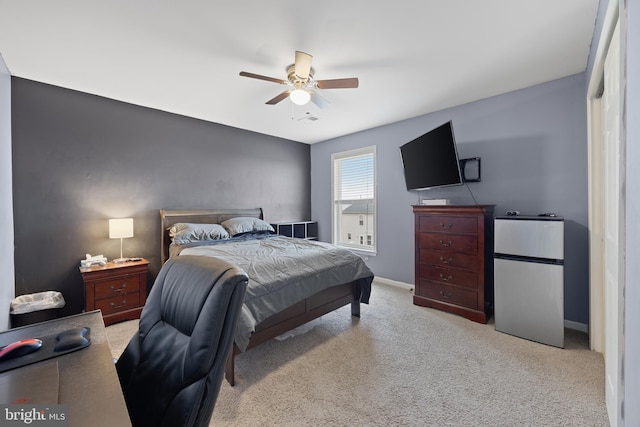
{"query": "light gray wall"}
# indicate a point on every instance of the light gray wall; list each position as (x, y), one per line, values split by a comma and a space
(533, 146)
(632, 281)
(80, 159)
(6, 200)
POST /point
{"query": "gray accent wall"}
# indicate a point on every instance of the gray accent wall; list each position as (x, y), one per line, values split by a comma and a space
(80, 159)
(6, 200)
(533, 147)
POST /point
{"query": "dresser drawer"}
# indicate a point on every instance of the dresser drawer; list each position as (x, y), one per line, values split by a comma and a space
(452, 276)
(448, 224)
(447, 293)
(450, 242)
(449, 259)
(118, 303)
(118, 286)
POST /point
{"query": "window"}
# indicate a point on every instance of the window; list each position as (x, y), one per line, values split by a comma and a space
(353, 197)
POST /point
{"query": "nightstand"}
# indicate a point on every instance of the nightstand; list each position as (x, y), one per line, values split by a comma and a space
(118, 290)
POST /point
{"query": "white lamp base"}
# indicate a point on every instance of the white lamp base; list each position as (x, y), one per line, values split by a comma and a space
(121, 259)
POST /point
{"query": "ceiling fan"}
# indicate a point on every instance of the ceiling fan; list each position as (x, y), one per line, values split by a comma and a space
(302, 86)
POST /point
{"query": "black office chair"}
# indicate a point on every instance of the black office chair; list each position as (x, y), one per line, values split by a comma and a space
(172, 369)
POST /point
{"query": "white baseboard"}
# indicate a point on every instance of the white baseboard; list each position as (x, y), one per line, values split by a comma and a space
(393, 283)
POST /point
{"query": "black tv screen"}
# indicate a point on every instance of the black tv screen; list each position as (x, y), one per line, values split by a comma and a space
(431, 160)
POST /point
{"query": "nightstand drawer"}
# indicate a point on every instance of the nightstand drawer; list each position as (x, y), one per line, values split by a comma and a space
(120, 286)
(448, 224)
(118, 303)
(446, 293)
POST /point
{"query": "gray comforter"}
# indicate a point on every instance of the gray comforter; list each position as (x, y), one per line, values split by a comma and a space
(283, 271)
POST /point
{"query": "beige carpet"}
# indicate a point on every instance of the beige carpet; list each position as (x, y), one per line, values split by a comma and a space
(404, 365)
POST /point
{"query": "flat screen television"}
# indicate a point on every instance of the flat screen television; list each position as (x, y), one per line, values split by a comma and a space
(431, 160)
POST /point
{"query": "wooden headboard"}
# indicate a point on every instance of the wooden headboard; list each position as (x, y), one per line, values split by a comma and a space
(196, 216)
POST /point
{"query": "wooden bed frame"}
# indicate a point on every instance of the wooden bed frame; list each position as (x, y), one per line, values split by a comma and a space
(296, 315)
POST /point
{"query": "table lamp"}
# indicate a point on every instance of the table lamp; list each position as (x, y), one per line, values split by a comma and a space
(120, 228)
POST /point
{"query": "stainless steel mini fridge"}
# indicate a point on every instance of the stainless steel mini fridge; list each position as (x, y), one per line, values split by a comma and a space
(529, 278)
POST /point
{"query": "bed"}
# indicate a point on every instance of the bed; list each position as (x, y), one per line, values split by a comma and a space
(285, 291)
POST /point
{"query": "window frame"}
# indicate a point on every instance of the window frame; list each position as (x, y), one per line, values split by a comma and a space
(335, 228)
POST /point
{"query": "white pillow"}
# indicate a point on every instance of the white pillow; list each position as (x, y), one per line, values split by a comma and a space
(243, 224)
(184, 232)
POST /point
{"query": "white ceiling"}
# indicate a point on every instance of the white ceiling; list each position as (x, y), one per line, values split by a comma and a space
(412, 57)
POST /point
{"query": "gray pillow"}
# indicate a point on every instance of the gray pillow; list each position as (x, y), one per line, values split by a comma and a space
(184, 232)
(243, 224)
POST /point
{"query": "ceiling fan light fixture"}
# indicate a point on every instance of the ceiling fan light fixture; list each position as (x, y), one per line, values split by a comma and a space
(300, 96)
(301, 85)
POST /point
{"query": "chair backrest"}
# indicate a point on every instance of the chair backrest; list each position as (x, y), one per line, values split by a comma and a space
(172, 369)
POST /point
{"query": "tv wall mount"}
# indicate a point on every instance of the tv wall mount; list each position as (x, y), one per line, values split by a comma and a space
(470, 169)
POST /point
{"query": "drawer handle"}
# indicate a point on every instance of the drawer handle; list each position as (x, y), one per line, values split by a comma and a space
(446, 261)
(446, 294)
(445, 279)
(446, 244)
(114, 306)
(446, 226)
(120, 289)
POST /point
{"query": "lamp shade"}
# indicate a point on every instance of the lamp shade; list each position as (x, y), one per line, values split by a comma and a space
(120, 228)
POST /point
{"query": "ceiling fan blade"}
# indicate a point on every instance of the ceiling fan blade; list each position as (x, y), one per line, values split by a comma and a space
(350, 83)
(303, 64)
(318, 100)
(259, 77)
(278, 98)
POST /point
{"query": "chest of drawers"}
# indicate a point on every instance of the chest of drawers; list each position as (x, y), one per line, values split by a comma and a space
(118, 290)
(454, 259)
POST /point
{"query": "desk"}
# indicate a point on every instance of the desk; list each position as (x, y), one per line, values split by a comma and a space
(88, 381)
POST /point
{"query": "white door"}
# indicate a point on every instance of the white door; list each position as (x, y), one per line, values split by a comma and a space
(614, 225)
